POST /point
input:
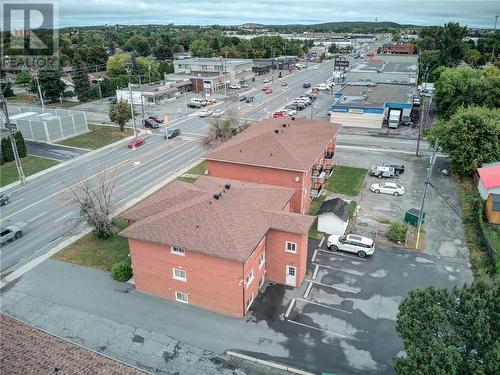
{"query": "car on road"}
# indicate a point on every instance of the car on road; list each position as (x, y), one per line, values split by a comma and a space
(382, 171)
(250, 99)
(173, 133)
(158, 119)
(351, 243)
(136, 143)
(388, 188)
(12, 232)
(149, 123)
(4, 199)
(266, 80)
(218, 113)
(268, 91)
(322, 87)
(195, 105)
(201, 101)
(265, 88)
(235, 86)
(284, 84)
(211, 100)
(280, 114)
(398, 168)
(205, 112)
(243, 98)
(306, 85)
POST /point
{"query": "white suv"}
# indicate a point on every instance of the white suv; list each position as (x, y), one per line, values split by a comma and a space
(352, 243)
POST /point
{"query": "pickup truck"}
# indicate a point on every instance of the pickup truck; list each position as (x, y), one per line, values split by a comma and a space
(12, 232)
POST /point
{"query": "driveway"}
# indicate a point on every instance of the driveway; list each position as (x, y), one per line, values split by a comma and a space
(53, 151)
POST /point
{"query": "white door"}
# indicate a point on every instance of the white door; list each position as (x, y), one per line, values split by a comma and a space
(291, 275)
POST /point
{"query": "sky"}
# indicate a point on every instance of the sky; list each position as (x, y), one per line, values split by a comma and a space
(234, 12)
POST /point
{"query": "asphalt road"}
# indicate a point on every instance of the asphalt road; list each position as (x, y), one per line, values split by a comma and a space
(45, 203)
(53, 151)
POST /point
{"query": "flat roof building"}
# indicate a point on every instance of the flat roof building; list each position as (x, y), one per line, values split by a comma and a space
(385, 69)
(236, 70)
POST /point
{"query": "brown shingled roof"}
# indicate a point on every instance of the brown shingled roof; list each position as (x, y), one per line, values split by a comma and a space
(187, 215)
(295, 147)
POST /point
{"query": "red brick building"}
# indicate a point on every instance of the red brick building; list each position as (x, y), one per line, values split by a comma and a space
(214, 242)
(292, 152)
(398, 49)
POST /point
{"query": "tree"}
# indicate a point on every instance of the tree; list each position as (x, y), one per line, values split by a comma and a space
(23, 78)
(472, 57)
(7, 152)
(81, 80)
(451, 44)
(451, 331)
(5, 87)
(223, 128)
(50, 84)
(120, 113)
(20, 144)
(470, 137)
(200, 48)
(117, 64)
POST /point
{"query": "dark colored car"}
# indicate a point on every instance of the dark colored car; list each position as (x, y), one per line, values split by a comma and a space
(158, 119)
(149, 123)
(135, 142)
(243, 98)
(113, 100)
(4, 199)
(250, 99)
(194, 105)
(300, 106)
(399, 169)
(292, 106)
(306, 85)
(173, 133)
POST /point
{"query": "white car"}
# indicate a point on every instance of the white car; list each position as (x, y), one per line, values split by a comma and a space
(235, 86)
(291, 112)
(301, 100)
(218, 113)
(322, 87)
(306, 99)
(205, 112)
(388, 188)
(266, 80)
(352, 243)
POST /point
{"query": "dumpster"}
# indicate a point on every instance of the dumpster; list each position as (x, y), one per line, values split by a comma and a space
(411, 216)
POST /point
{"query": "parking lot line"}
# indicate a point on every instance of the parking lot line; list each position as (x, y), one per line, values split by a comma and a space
(325, 306)
(315, 273)
(314, 255)
(290, 307)
(316, 328)
(334, 287)
(335, 253)
(352, 272)
(308, 290)
(322, 240)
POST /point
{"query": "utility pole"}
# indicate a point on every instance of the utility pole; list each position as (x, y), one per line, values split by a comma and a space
(427, 183)
(35, 74)
(149, 73)
(494, 33)
(98, 84)
(225, 81)
(142, 102)
(129, 71)
(272, 64)
(426, 75)
(12, 135)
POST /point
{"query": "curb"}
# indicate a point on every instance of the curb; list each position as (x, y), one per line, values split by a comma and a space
(36, 261)
(268, 363)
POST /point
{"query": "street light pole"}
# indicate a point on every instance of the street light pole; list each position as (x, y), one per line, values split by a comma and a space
(12, 134)
(39, 88)
(272, 64)
(142, 101)
(129, 71)
(426, 75)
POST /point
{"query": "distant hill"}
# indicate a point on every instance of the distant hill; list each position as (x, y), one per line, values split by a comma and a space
(345, 26)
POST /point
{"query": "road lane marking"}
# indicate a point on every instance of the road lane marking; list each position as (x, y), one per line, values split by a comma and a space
(325, 306)
(63, 217)
(316, 328)
(36, 217)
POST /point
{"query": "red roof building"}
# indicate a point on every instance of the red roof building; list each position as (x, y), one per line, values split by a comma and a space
(297, 153)
(212, 243)
(489, 179)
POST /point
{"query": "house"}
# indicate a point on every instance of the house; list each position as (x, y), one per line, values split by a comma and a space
(214, 242)
(489, 179)
(492, 208)
(333, 216)
(292, 152)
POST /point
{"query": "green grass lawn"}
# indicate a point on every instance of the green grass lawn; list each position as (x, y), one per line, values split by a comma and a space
(347, 180)
(313, 208)
(190, 176)
(97, 137)
(94, 252)
(31, 165)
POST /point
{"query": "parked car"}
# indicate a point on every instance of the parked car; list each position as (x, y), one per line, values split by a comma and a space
(266, 80)
(250, 99)
(399, 169)
(306, 85)
(136, 143)
(235, 86)
(113, 100)
(322, 87)
(158, 119)
(268, 91)
(195, 105)
(201, 101)
(4, 199)
(301, 106)
(12, 232)
(306, 100)
(173, 133)
(292, 106)
(205, 112)
(284, 84)
(244, 85)
(218, 113)
(243, 98)
(291, 112)
(352, 243)
(382, 171)
(387, 188)
(149, 123)
(280, 114)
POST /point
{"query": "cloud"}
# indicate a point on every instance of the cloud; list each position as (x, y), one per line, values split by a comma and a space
(233, 12)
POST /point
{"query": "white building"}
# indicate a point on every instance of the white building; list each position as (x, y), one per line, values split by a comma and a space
(333, 216)
(236, 70)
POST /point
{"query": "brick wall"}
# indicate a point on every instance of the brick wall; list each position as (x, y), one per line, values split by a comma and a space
(253, 264)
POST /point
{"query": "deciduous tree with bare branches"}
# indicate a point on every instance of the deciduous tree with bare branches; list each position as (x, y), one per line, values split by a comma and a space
(223, 128)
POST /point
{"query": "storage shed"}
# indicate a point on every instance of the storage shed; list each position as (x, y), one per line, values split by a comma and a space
(493, 208)
(333, 216)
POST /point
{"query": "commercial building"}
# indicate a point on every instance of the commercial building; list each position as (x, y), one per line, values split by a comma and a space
(214, 242)
(47, 125)
(368, 104)
(398, 49)
(316, 52)
(292, 152)
(148, 94)
(385, 69)
(235, 70)
(264, 65)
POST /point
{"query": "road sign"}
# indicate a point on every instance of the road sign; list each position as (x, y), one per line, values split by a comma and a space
(341, 63)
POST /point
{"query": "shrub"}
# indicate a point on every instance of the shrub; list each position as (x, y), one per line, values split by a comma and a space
(122, 271)
(21, 145)
(397, 231)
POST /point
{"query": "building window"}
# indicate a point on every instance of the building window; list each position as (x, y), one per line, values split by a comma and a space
(262, 259)
(291, 247)
(261, 283)
(249, 279)
(249, 302)
(179, 274)
(177, 251)
(181, 297)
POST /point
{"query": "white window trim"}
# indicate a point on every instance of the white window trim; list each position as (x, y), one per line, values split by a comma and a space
(180, 253)
(290, 251)
(181, 300)
(178, 277)
(262, 281)
(262, 261)
(250, 279)
(250, 303)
